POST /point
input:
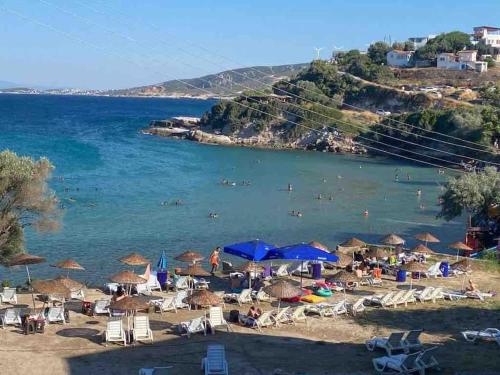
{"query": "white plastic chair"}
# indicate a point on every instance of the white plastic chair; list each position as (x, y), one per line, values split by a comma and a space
(10, 317)
(281, 271)
(215, 362)
(56, 314)
(166, 304)
(115, 332)
(194, 326)
(262, 296)
(78, 294)
(216, 319)
(141, 329)
(8, 295)
(101, 306)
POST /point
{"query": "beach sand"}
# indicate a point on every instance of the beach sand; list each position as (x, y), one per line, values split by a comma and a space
(321, 346)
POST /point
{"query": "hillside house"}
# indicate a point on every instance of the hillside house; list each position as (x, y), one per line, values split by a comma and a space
(463, 60)
(491, 38)
(400, 59)
(420, 41)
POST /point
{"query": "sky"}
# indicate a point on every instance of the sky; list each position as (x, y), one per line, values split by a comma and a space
(102, 44)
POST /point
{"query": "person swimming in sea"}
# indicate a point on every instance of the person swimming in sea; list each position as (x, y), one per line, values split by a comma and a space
(319, 197)
(408, 177)
(299, 214)
(365, 213)
(396, 177)
(324, 180)
(419, 193)
(290, 187)
(330, 198)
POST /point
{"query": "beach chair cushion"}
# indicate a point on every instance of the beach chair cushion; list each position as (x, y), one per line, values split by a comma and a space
(313, 299)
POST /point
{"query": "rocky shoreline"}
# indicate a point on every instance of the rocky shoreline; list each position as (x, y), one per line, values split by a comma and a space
(189, 130)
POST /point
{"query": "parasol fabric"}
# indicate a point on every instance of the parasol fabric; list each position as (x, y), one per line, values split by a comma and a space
(301, 251)
(463, 265)
(344, 260)
(392, 240)
(203, 298)
(134, 259)
(353, 242)
(377, 252)
(69, 264)
(70, 283)
(194, 270)
(25, 260)
(283, 289)
(130, 304)
(127, 277)
(189, 257)
(422, 249)
(252, 250)
(319, 245)
(162, 262)
(51, 287)
(459, 246)
(250, 267)
(427, 237)
(415, 267)
(344, 277)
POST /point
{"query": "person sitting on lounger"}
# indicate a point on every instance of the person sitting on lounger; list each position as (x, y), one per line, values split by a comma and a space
(471, 287)
(254, 312)
(119, 295)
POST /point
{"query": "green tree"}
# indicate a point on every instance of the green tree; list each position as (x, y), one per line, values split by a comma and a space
(473, 193)
(25, 200)
(447, 42)
(377, 52)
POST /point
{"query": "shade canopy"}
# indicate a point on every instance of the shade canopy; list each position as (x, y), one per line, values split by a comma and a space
(420, 248)
(130, 304)
(69, 264)
(252, 250)
(283, 289)
(203, 298)
(250, 267)
(162, 262)
(353, 242)
(189, 256)
(343, 277)
(414, 267)
(377, 252)
(134, 259)
(344, 260)
(24, 259)
(301, 251)
(459, 246)
(463, 265)
(51, 287)
(392, 240)
(427, 237)
(127, 277)
(70, 283)
(319, 245)
(194, 270)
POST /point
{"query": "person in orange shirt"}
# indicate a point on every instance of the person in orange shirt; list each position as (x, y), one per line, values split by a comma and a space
(214, 260)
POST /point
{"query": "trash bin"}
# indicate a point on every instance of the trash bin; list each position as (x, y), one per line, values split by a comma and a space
(401, 276)
(161, 276)
(316, 271)
(444, 267)
(267, 271)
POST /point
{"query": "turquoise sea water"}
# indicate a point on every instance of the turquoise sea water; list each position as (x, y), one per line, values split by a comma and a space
(115, 179)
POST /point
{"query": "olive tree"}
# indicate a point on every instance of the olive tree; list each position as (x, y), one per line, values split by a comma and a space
(25, 200)
(473, 193)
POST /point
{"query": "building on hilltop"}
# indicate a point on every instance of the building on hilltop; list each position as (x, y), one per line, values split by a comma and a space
(400, 59)
(463, 60)
(490, 36)
(420, 41)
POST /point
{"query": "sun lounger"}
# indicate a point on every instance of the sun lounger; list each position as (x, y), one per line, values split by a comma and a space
(78, 294)
(244, 297)
(141, 329)
(454, 295)
(412, 340)
(166, 304)
(390, 344)
(111, 287)
(10, 317)
(281, 271)
(153, 282)
(262, 321)
(143, 289)
(56, 314)
(423, 295)
(339, 308)
(371, 281)
(407, 297)
(298, 314)
(434, 270)
(261, 296)
(281, 317)
(488, 334)
(396, 298)
(436, 294)
(179, 298)
(215, 362)
(194, 326)
(427, 360)
(181, 283)
(397, 364)
(478, 295)
(216, 319)
(114, 332)
(8, 295)
(298, 268)
(382, 300)
(357, 307)
(101, 306)
(323, 309)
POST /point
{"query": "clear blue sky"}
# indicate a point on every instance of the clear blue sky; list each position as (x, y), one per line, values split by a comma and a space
(251, 32)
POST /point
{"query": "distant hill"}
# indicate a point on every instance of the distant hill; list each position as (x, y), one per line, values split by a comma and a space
(7, 84)
(225, 83)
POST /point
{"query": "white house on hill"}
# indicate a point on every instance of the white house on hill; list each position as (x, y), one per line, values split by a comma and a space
(463, 60)
(400, 59)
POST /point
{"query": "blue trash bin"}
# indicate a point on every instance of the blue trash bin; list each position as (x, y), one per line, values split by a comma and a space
(445, 269)
(316, 271)
(401, 276)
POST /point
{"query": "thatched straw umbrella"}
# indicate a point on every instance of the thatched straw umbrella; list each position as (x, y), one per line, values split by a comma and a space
(204, 298)
(282, 289)
(319, 245)
(51, 287)
(68, 264)
(128, 278)
(249, 267)
(189, 257)
(392, 240)
(422, 249)
(194, 270)
(459, 246)
(427, 237)
(346, 279)
(134, 259)
(70, 283)
(129, 305)
(414, 267)
(353, 242)
(26, 259)
(343, 261)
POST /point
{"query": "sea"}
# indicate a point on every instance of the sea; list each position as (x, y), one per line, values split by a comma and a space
(118, 187)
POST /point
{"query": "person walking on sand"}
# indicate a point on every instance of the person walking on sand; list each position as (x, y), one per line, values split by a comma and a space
(214, 260)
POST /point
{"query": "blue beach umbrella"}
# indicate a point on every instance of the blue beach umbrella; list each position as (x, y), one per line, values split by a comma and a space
(252, 250)
(301, 251)
(162, 262)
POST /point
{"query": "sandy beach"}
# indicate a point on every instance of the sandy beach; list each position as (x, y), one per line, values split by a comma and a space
(320, 346)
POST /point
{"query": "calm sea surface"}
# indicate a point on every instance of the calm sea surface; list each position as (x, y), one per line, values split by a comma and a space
(112, 180)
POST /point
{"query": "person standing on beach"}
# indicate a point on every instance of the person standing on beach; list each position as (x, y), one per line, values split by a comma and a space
(214, 260)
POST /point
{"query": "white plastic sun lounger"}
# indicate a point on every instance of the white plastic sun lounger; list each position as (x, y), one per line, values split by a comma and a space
(261, 296)
(357, 307)
(181, 283)
(115, 332)
(179, 298)
(216, 319)
(215, 362)
(56, 314)
(412, 340)
(408, 297)
(488, 334)
(397, 364)
(382, 300)
(166, 304)
(142, 331)
(434, 270)
(281, 271)
(281, 317)
(10, 317)
(245, 296)
(262, 321)
(194, 326)
(423, 295)
(8, 296)
(78, 294)
(298, 314)
(392, 343)
(101, 306)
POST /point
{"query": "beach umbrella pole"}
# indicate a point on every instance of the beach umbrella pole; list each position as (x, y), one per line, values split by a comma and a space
(29, 286)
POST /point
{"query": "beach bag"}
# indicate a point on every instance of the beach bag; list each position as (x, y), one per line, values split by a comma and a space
(233, 316)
